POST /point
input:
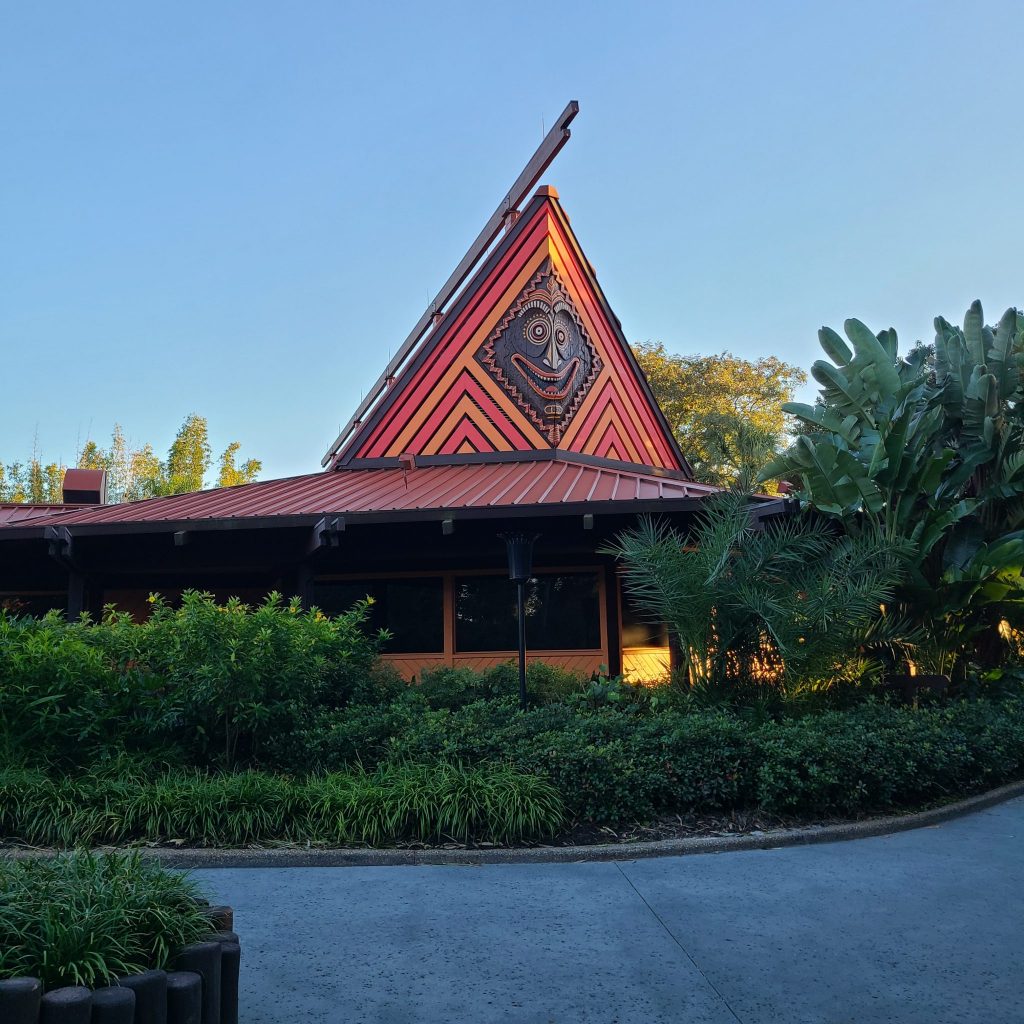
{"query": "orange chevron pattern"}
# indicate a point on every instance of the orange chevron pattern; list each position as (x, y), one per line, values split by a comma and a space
(448, 402)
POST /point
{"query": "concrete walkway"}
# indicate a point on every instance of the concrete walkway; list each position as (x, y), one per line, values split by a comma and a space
(923, 927)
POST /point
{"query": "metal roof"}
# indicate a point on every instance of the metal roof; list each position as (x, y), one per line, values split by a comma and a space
(17, 514)
(535, 484)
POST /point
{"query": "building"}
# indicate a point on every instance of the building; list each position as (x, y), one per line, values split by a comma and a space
(519, 407)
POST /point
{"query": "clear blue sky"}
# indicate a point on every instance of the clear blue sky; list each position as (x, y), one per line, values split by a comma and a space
(241, 208)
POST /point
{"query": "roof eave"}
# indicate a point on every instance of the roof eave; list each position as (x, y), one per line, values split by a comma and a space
(462, 513)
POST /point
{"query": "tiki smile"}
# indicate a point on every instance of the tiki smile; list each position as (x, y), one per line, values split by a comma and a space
(552, 386)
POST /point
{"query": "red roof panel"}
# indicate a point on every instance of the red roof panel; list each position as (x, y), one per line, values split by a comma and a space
(20, 515)
(545, 483)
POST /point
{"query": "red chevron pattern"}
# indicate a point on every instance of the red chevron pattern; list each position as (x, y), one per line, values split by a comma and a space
(529, 358)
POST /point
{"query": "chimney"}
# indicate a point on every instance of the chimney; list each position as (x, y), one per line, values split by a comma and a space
(85, 487)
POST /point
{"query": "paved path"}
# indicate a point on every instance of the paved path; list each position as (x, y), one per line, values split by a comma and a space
(923, 927)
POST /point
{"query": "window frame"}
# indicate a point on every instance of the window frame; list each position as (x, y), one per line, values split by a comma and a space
(450, 653)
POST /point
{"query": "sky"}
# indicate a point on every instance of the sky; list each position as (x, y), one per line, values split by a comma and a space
(241, 209)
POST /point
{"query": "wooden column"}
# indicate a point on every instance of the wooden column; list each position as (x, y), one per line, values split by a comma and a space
(304, 585)
(613, 629)
(448, 600)
(76, 595)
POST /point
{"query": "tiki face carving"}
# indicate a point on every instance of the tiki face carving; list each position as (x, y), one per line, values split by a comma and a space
(541, 354)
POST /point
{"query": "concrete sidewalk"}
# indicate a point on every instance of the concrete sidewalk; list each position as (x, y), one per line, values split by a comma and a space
(923, 927)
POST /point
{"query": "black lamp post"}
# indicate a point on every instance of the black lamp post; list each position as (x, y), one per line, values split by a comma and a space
(520, 567)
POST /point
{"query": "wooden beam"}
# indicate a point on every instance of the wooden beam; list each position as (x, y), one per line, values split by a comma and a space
(326, 533)
(537, 165)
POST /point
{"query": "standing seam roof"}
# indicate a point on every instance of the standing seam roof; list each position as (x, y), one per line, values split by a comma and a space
(467, 485)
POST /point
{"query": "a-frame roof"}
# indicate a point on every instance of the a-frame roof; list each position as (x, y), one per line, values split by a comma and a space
(529, 359)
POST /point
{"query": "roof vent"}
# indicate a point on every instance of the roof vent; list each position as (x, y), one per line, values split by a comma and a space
(85, 487)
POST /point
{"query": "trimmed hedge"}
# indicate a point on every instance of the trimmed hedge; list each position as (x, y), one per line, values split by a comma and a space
(492, 773)
(612, 765)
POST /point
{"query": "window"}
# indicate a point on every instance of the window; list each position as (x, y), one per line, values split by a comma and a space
(411, 609)
(638, 630)
(563, 612)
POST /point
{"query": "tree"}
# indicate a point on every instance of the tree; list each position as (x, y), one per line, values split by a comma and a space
(33, 482)
(189, 457)
(231, 475)
(132, 473)
(929, 449)
(792, 600)
(145, 473)
(717, 404)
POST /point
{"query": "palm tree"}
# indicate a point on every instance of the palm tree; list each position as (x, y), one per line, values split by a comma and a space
(790, 599)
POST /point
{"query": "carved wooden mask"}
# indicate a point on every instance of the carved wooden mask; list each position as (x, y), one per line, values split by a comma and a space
(541, 354)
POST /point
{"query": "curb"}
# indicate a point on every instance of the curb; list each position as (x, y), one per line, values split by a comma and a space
(289, 857)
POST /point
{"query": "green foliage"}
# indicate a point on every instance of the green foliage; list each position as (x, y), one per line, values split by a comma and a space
(63, 697)
(791, 598)
(446, 687)
(631, 762)
(92, 714)
(396, 802)
(189, 457)
(243, 674)
(884, 758)
(33, 482)
(725, 412)
(212, 682)
(231, 474)
(931, 453)
(85, 919)
(132, 473)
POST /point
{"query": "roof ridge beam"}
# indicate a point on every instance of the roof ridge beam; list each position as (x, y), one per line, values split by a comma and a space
(549, 148)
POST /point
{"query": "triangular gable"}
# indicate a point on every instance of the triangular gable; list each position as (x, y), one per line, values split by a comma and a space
(530, 358)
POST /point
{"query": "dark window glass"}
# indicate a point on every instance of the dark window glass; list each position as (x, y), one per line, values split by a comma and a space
(638, 630)
(412, 609)
(562, 613)
(35, 605)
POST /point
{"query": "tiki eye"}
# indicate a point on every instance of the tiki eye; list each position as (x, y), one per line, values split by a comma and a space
(537, 331)
(560, 336)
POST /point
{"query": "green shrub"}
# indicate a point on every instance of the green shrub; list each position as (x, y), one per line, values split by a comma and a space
(245, 673)
(204, 683)
(326, 740)
(613, 766)
(452, 688)
(64, 699)
(405, 772)
(82, 919)
(881, 758)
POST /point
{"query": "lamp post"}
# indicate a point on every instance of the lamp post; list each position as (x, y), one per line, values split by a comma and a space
(520, 566)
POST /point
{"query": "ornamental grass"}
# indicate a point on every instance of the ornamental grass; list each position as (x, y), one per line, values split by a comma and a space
(86, 919)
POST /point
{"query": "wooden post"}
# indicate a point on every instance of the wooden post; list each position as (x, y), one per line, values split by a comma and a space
(613, 628)
(76, 595)
(304, 585)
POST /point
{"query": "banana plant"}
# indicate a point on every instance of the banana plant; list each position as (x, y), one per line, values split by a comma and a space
(929, 449)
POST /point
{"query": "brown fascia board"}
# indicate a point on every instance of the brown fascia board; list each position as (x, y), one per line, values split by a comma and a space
(565, 510)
